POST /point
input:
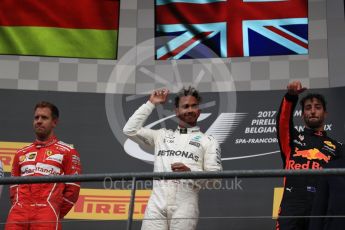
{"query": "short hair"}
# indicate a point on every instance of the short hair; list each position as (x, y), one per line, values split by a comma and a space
(45, 104)
(190, 91)
(311, 96)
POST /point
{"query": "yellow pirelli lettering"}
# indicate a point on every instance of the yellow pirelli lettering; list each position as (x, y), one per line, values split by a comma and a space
(102, 204)
(8, 151)
(277, 198)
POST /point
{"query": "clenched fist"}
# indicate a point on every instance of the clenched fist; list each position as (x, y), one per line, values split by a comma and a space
(295, 88)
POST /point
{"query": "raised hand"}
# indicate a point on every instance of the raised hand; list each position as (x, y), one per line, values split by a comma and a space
(295, 88)
(159, 96)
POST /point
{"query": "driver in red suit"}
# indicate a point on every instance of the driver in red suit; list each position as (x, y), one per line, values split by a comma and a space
(41, 206)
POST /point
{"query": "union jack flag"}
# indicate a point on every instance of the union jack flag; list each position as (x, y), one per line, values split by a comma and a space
(230, 28)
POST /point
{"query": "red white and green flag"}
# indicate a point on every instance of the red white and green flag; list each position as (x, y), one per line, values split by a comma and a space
(61, 28)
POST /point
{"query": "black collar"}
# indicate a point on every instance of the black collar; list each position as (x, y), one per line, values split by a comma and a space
(188, 130)
(312, 131)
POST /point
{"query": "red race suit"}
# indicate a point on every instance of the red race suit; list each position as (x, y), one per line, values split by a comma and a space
(41, 206)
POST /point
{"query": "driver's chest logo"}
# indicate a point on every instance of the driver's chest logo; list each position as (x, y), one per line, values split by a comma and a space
(195, 141)
(169, 138)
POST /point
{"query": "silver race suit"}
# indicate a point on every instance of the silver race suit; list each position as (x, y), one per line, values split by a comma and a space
(174, 203)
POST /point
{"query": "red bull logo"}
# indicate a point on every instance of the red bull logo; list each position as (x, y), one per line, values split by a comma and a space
(312, 154)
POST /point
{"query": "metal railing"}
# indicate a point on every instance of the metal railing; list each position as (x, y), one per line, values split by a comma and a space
(134, 177)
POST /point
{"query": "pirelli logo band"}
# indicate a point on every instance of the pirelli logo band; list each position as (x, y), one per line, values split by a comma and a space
(101, 204)
(8, 151)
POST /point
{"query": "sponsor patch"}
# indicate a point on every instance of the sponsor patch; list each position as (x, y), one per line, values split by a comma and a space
(46, 169)
(63, 144)
(195, 141)
(49, 153)
(22, 158)
(168, 140)
(27, 170)
(312, 154)
(169, 137)
(31, 156)
(330, 144)
(196, 144)
(196, 138)
(56, 157)
(75, 159)
(179, 153)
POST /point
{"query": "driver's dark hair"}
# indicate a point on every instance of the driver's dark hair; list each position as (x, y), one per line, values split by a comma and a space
(190, 91)
(45, 104)
(311, 96)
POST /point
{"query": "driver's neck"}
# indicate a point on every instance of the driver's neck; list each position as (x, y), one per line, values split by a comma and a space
(186, 125)
(317, 129)
(45, 138)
